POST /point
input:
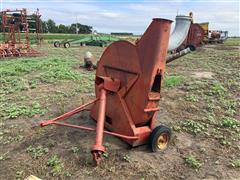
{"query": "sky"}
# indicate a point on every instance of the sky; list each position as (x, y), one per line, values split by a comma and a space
(133, 15)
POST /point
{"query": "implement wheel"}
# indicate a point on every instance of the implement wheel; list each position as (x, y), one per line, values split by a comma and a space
(2, 53)
(56, 44)
(66, 45)
(159, 138)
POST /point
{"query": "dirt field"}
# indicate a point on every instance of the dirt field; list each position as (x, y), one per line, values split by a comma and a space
(200, 102)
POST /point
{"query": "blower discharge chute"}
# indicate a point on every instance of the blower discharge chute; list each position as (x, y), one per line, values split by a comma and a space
(128, 84)
(178, 37)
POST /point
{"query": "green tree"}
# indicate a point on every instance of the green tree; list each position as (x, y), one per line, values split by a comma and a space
(51, 26)
(44, 27)
(63, 29)
(82, 29)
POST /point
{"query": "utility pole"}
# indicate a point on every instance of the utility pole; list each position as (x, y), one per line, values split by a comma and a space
(77, 25)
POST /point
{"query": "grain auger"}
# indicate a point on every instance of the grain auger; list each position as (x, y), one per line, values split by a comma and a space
(128, 84)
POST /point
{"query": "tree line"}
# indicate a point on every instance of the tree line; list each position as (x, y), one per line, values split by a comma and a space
(50, 26)
(121, 34)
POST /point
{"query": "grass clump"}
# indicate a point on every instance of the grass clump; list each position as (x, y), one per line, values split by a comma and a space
(56, 165)
(193, 162)
(172, 81)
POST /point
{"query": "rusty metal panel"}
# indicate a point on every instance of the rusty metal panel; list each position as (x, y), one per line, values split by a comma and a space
(195, 35)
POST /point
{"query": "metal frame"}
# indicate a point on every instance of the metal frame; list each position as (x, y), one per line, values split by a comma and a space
(78, 110)
(15, 26)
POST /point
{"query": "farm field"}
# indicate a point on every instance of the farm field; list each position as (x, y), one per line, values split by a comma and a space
(200, 102)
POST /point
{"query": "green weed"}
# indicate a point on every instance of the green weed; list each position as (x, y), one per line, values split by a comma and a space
(230, 123)
(193, 162)
(235, 163)
(11, 139)
(217, 89)
(56, 165)
(60, 73)
(13, 111)
(4, 156)
(126, 158)
(11, 85)
(37, 152)
(224, 141)
(105, 154)
(193, 126)
(230, 105)
(19, 175)
(192, 98)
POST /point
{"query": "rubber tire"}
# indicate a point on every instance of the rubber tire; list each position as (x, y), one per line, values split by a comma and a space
(191, 47)
(56, 44)
(157, 131)
(66, 45)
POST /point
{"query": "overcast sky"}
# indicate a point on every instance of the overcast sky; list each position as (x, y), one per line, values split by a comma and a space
(133, 15)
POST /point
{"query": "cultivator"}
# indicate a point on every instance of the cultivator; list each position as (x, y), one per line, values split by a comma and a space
(128, 84)
(35, 25)
(15, 27)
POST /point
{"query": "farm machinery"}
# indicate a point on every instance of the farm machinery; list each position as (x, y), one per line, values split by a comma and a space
(205, 26)
(15, 28)
(198, 34)
(213, 36)
(93, 40)
(128, 83)
(217, 36)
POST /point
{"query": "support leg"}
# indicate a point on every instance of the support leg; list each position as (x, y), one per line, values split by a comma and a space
(98, 149)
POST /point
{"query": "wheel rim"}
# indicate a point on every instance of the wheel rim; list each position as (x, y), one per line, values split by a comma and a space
(2, 53)
(162, 141)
